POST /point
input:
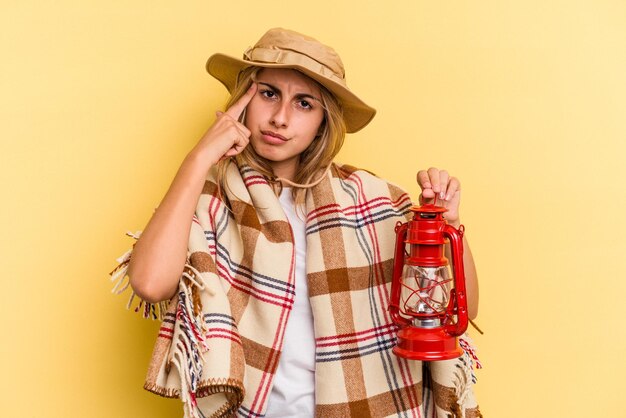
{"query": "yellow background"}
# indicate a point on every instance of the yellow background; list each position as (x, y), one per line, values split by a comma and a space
(524, 101)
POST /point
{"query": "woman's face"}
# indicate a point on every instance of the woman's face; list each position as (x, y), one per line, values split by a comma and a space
(284, 117)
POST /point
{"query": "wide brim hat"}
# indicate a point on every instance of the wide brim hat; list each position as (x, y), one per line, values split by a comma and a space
(282, 48)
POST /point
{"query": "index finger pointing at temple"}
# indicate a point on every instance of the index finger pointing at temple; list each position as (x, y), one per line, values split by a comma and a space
(237, 109)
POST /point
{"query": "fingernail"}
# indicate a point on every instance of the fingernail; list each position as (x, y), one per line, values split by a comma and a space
(442, 195)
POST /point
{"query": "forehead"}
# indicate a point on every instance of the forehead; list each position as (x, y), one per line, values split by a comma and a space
(287, 79)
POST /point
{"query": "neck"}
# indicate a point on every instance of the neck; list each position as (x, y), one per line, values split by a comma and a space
(285, 169)
(287, 182)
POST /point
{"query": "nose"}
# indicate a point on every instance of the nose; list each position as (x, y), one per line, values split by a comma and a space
(280, 117)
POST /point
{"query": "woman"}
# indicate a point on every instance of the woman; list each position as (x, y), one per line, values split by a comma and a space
(277, 262)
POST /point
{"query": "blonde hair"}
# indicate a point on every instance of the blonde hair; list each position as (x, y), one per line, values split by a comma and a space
(314, 161)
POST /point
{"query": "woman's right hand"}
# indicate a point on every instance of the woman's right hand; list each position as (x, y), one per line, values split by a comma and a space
(159, 255)
(227, 136)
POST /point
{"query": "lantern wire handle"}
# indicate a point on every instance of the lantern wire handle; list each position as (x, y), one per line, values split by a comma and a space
(476, 327)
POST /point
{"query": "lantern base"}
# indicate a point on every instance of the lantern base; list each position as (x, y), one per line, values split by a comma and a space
(427, 344)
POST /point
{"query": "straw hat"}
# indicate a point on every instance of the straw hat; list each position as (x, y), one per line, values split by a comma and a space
(282, 48)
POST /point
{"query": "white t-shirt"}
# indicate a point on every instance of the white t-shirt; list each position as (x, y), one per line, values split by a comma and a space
(293, 393)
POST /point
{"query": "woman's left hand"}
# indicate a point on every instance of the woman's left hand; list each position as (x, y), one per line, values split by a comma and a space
(438, 183)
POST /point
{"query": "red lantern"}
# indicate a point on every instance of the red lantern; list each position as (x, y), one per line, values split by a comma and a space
(428, 305)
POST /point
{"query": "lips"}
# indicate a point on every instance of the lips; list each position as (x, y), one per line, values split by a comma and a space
(272, 138)
(274, 135)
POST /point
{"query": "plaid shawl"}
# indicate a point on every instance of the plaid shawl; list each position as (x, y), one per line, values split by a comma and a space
(222, 334)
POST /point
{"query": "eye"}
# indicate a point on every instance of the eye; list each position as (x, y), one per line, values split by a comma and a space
(304, 104)
(268, 94)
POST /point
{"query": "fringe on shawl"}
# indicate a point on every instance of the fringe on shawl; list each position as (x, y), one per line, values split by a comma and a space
(119, 276)
(189, 343)
(464, 377)
(452, 399)
(186, 352)
(470, 350)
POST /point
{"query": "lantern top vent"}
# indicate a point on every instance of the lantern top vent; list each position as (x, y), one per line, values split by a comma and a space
(428, 211)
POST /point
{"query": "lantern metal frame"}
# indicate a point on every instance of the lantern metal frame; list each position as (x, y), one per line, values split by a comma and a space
(433, 335)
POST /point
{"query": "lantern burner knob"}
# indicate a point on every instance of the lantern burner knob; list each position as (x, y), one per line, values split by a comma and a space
(427, 323)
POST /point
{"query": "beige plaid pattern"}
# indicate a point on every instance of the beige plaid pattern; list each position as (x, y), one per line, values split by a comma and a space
(242, 261)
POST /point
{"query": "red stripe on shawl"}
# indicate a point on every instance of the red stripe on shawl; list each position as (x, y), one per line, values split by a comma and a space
(165, 329)
(410, 392)
(401, 199)
(213, 208)
(223, 333)
(356, 337)
(237, 284)
(253, 183)
(252, 180)
(248, 289)
(354, 334)
(224, 330)
(213, 333)
(383, 293)
(226, 337)
(379, 276)
(361, 208)
(266, 379)
(230, 278)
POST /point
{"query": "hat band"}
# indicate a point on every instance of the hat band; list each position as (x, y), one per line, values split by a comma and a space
(286, 57)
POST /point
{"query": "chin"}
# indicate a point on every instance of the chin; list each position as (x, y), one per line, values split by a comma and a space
(270, 153)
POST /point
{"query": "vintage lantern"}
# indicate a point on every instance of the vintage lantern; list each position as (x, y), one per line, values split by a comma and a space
(428, 305)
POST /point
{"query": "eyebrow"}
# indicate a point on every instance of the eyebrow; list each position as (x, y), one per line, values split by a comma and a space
(298, 95)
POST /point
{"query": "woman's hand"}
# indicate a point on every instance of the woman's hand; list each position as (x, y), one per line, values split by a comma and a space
(227, 136)
(438, 183)
(159, 255)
